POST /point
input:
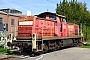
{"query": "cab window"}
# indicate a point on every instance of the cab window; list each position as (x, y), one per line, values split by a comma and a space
(42, 16)
(53, 17)
(63, 20)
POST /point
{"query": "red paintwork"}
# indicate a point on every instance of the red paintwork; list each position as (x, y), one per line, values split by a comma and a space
(25, 31)
(46, 26)
(70, 29)
(42, 27)
(64, 29)
(76, 27)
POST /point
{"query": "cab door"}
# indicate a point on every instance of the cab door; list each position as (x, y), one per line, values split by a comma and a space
(63, 27)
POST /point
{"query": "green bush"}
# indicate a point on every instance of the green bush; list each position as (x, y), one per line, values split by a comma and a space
(85, 46)
(5, 50)
(0, 38)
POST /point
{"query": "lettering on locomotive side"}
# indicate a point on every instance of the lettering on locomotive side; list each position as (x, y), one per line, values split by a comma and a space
(26, 23)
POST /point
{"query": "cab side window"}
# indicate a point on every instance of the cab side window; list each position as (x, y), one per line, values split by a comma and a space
(42, 16)
(63, 20)
(53, 17)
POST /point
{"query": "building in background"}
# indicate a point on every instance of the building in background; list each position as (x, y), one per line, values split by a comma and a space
(11, 11)
(10, 20)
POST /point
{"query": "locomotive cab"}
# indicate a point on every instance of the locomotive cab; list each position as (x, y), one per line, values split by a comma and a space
(59, 22)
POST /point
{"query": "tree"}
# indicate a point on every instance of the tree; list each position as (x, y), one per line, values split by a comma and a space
(75, 12)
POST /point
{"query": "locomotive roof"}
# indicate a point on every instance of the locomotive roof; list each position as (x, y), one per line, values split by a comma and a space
(51, 13)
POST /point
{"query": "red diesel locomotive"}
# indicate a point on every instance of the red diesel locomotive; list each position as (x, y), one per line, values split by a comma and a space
(46, 31)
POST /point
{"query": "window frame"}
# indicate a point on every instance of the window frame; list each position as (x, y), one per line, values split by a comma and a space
(63, 19)
(12, 22)
(1, 19)
(52, 17)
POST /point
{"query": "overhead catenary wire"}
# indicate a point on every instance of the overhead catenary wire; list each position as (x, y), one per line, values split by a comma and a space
(51, 1)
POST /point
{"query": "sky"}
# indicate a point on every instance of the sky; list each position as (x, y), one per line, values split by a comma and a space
(35, 6)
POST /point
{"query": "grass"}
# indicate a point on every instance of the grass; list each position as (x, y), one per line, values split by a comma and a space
(85, 46)
(0, 38)
(86, 41)
(5, 50)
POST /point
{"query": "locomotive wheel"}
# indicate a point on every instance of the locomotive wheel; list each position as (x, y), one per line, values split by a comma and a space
(45, 48)
(33, 55)
(24, 49)
(56, 46)
(60, 44)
